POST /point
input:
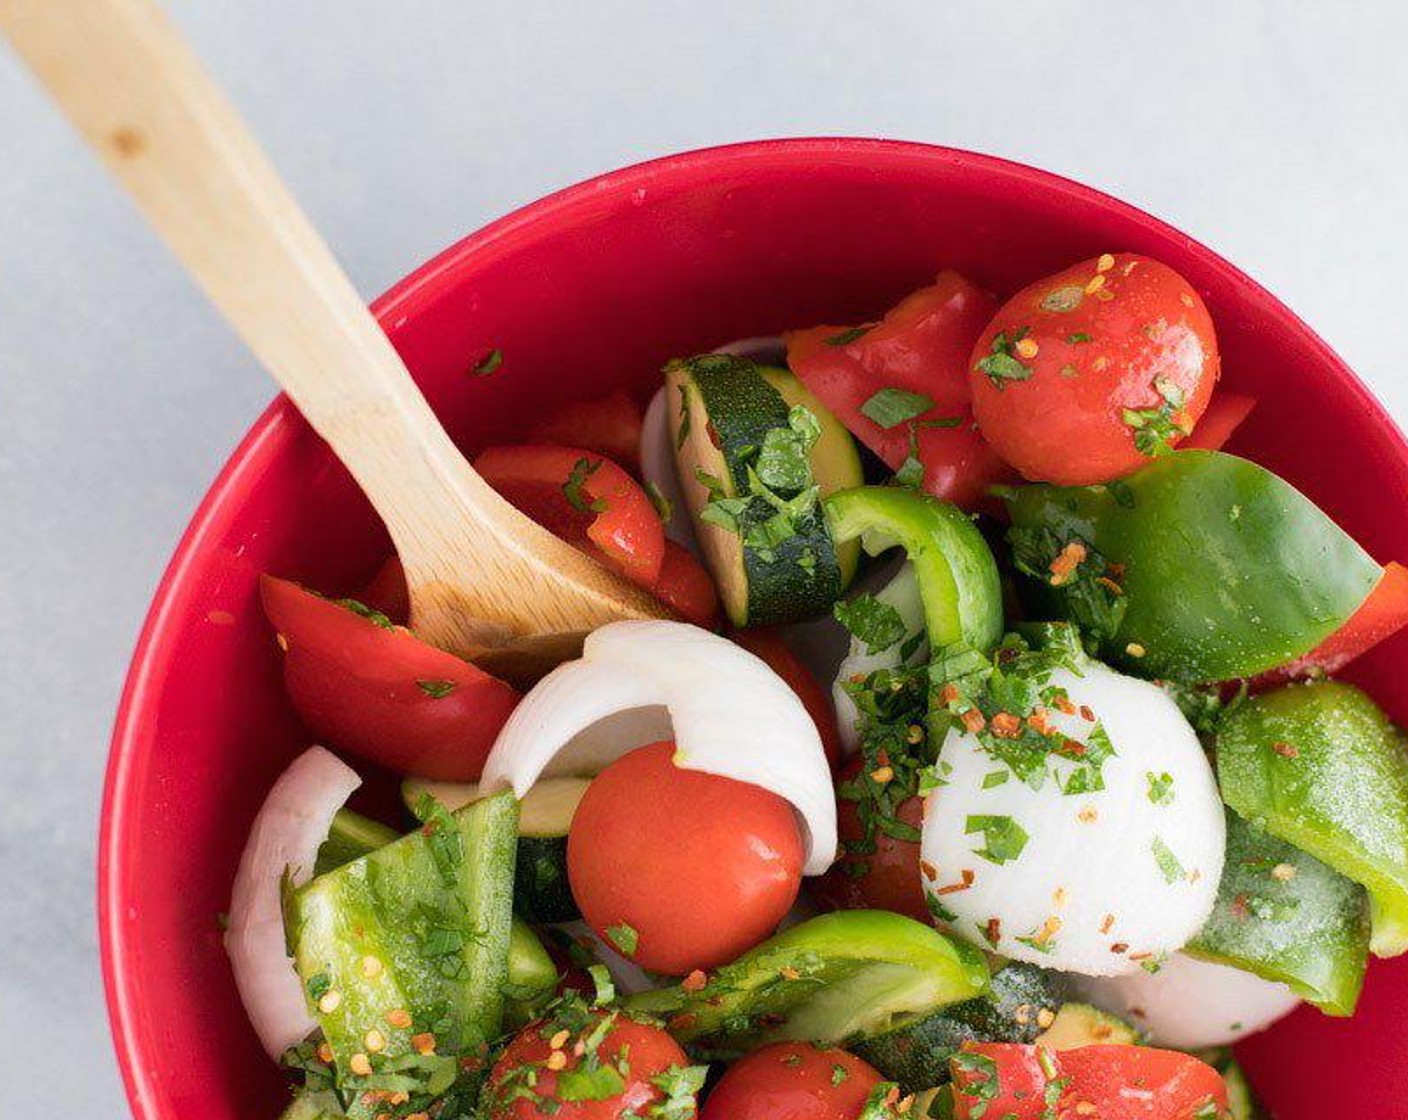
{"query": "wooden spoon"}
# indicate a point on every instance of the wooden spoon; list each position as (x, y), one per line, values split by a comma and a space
(480, 573)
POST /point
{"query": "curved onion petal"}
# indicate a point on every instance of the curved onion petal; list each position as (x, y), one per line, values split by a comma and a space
(628, 976)
(902, 593)
(657, 467)
(1189, 1004)
(768, 349)
(290, 827)
(731, 715)
(1096, 882)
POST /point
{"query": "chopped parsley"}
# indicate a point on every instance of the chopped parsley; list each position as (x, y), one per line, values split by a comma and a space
(623, 937)
(871, 621)
(881, 1103)
(375, 617)
(436, 690)
(488, 363)
(590, 1081)
(663, 506)
(892, 407)
(838, 1074)
(1000, 365)
(1160, 788)
(1169, 866)
(846, 337)
(1078, 338)
(582, 470)
(976, 1078)
(443, 837)
(1156, 429)
(685, 416)
(911, 472)
(1086, 584)
(1003, 838)
(681, 1086)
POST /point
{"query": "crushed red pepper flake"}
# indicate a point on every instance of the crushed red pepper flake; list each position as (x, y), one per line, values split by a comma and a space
(973, 720)
(1006, 726)
(1120, 947)
(695, 981)
(1107, 923)
(993, 931)
(966, 880)
(1066, 562)
(1285, 750)
(930, 871)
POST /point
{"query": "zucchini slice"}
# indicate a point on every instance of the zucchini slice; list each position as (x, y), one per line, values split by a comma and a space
(541, 892)
(756, 508)
(1079, 1024)
(1023, 1000)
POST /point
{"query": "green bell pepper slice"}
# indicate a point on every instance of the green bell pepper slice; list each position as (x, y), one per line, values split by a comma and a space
(1212, 567)
(403, 953)
(850, 974)
(958, 578)
(1321, 766)
(351, 837)
(1285, 916)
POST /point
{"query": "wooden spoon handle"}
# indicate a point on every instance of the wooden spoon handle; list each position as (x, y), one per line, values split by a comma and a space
(129, 83)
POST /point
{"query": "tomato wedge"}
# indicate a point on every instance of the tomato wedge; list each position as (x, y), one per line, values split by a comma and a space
(1382, 614)
(372, 688)
(686, 587)
(1009, 1080)
(387, 591)
(1224, 416)
(609, 426)
(764, 643)
(920, 347)
(585, 499)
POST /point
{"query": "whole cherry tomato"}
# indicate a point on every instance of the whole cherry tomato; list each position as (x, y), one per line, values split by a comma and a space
(686, 587)
(792, 1081)
(678, 869)
(764, 643)
(886, 877)
(367, 686)
(562, 1068)
(1083, 376)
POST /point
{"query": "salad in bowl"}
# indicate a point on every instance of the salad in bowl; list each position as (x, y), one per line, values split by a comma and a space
(995, 763)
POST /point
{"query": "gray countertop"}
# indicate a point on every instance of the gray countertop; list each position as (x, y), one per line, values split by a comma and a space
(1271, 131)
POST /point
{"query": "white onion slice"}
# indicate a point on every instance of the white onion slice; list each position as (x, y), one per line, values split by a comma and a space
(628, 976)
(291, 826)
(1189, 1004)
(1106, 880)
(731, 715)
(902, 593)
(657, 467)
(767, 349)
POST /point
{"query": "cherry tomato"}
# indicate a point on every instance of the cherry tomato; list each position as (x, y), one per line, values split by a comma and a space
(1380, 616)
(608, 425)
(921, 346)
(1225, 414)
(764, 643)
(1001, 1079)
(387, 591)
(792, 1081)
(586, 500)
(630, 1056)
(1080, 377)
(372, 688)
(678, 869)
(887, 878)
(686, 587)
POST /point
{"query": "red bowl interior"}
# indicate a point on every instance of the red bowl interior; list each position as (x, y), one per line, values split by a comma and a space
(589, 289)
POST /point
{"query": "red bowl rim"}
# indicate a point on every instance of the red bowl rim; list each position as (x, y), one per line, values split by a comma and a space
(122, 984)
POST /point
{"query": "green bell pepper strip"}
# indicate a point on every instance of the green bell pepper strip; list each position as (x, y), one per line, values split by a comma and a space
(1285, 916)
(1220, 569)
(1321, 766)
(308, 1105)
(404, 952)
(958, 579)
(850, 974)
(351, 837)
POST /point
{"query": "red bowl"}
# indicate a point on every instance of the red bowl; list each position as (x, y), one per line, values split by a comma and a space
(586, 290)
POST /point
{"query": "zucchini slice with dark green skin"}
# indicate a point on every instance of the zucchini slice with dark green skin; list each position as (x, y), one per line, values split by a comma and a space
(1285, 916)
(758, 518)
(1023, 1001)
(409, 946)
(1080, 1024)
(541, 892)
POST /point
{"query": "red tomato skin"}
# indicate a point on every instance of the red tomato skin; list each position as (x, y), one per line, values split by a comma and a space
(892, 872)
(686, 587)
(792, 1081)
(1167, 1085)
(1144, 323)
(609, 426)
(627, 535)
(648, 1051)
(921, 345)
(701, 867)
(354, 685)
(1379, 617)
(387, 591)
(1226, 413)
(764, 643)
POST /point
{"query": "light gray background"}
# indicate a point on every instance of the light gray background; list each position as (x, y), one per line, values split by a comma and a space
(1273, 131)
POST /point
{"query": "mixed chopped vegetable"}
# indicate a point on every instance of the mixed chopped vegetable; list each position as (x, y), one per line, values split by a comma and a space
(993, 766)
